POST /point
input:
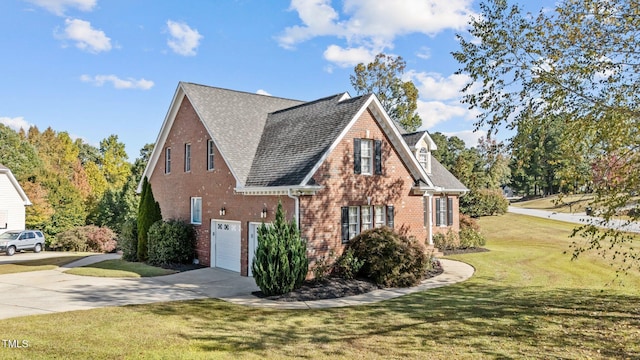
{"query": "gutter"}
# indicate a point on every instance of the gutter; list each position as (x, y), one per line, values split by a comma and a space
(296, 199)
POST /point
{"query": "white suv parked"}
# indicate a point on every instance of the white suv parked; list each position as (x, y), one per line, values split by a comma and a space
(12, 241)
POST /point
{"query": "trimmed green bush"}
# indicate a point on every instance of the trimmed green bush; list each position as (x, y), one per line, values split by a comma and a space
(128, 240)
(389, 259)
(171, 242)
(85, 238)
(281, 263)
(148, 214)
(348, 265)
(484, 202)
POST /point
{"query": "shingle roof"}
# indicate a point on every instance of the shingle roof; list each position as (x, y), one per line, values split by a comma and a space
(441, 177)
(235, 121)
(295, 139)
(412, 138)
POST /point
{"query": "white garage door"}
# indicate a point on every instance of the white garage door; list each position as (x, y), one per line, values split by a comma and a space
(225, 244)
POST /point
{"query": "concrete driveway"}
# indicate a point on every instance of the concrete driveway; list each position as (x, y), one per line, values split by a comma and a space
(49, 291)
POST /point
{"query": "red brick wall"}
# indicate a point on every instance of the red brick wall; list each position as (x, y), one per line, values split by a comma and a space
(216, 188)
(456, 214)
(321, 214)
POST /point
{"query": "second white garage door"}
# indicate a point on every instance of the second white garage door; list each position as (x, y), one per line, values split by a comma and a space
(225, 244)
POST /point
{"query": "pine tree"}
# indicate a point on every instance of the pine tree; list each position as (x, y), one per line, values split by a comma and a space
(281, 263)
(148, 213)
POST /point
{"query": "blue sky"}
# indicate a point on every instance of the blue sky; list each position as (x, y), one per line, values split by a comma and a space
(100, 67)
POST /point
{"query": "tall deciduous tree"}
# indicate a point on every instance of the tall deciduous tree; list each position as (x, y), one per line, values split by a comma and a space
(580, 61)
(382, 77)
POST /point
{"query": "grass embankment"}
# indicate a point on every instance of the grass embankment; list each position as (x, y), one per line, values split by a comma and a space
(119, 268)
(526, 300)
(49, 263)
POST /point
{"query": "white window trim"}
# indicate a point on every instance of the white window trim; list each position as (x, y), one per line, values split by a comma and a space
(366, 225)
(442, 212)
(187, 157)
(426, 164)
(210, 155)
(380, 210)
(196, 202)
(366, 158)
(353, 234)
(167, 160)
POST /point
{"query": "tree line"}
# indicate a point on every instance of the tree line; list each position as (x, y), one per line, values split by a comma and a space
(72, 183)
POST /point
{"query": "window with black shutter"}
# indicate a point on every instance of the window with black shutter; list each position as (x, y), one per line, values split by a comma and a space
(449, 211)
(356, 156)
(378, 157)
(390, 216)
(345, 224)
(439, 212)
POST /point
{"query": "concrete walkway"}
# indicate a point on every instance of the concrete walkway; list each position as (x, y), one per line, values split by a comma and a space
(579, 218)
(50, 291)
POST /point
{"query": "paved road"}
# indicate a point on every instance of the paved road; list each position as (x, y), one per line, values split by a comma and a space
(50, 291)
(578, 218)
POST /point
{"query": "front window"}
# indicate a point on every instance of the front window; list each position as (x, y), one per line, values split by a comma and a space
(380, 214)
(210, 154)
(367, 218)
(366, 156)
(187, 157)
(196, 210)
(354, 221)
(167, 161)
(423, 159)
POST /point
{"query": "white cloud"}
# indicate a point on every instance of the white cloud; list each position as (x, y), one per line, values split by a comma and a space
(470, 137)
(434, 112)
(424, 53)
(434, 86)
(86, 37)
(59, 7)
(129, 83)
(348, 57)
(15, 123)
(262, 92)
(184, 40)
(373, 25)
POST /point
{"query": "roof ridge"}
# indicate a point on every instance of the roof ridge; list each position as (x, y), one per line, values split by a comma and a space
(308, 103)
(238, 91)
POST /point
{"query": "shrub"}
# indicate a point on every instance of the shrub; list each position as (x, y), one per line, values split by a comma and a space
(348, 265)
(484, 202)
(448, 241)
(128, 240)
(86, 238)
(322, 267)
(470, 239)
(171, 242)
(281, 263)
(389, 259)
(148, 213)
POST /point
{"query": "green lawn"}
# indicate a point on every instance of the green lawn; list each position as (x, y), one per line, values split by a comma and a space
(119, 268)
(526, 300)
(566, 204)
(40, 264)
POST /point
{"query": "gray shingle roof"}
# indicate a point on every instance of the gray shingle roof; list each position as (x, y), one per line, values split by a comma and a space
(441, 177)
(412, 138)
(235, 120)
(295, 139)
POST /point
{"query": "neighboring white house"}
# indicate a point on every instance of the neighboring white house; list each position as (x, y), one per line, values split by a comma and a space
(12, 202)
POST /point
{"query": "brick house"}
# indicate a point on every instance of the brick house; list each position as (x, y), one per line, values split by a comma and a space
(339, 165)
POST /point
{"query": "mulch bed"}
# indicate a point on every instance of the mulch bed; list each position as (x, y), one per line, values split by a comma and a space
(332, 288)
(464, 251)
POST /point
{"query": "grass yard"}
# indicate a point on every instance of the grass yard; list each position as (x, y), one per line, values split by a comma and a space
(526, 300)
(119, 268)
(568, 203)
(40, 264)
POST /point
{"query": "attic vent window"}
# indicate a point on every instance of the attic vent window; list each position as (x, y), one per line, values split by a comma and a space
(423, 159)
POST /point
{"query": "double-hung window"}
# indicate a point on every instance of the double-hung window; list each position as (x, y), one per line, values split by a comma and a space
(209, 154)
(444, 211)
(367, 156)
(167, 160)
(367, 218)
(187, 157)
(423, 159)
(356, 219)
(196, 210)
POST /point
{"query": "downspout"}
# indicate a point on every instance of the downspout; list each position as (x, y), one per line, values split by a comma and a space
(297, 206)
(430, 218)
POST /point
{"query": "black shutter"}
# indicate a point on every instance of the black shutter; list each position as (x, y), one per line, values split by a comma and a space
(390, 216)
(356, 157)
(345, 224)
(438, 223)
(378, 156)
(450, 211)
